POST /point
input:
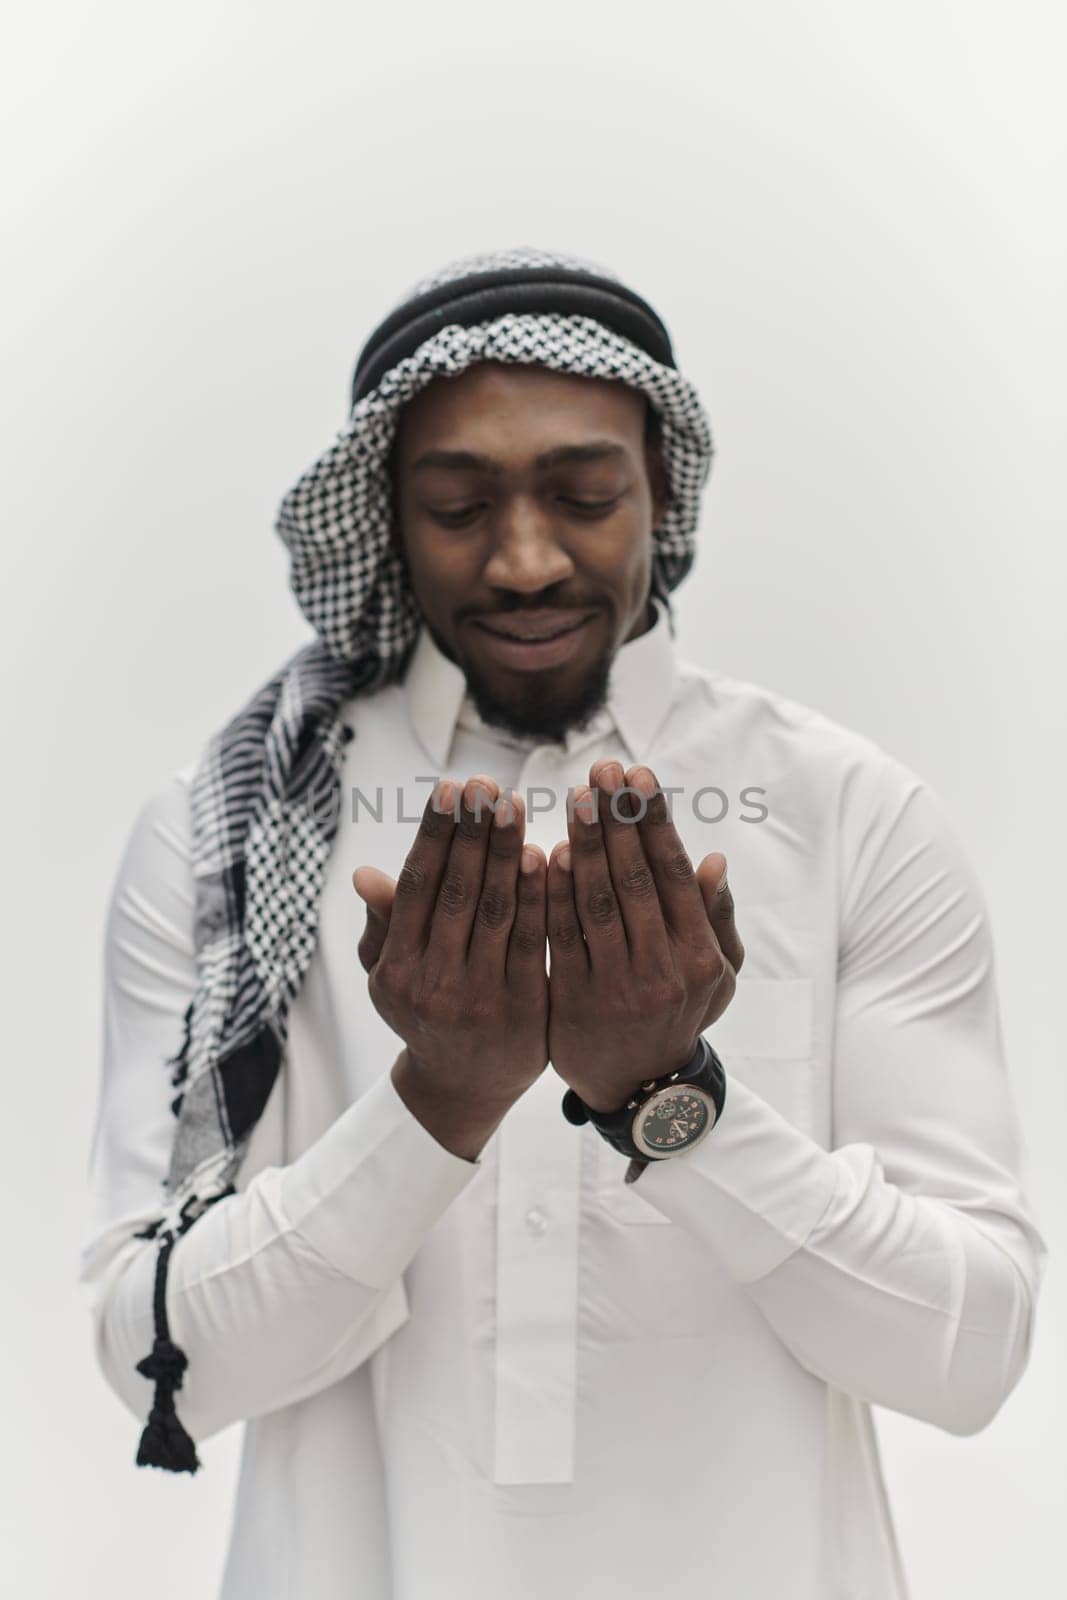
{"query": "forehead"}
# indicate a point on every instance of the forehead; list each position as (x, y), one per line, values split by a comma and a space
(518, 406)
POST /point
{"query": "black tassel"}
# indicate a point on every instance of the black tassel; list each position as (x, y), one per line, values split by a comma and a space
(164, 1442)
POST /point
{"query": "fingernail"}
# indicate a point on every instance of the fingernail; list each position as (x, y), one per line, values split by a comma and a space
(504, 810)
(477, 797)
(644, 782)
(529, 861)
(563, 857)
(723, 885)
(585, 805)
(444, 796)
(610, 777)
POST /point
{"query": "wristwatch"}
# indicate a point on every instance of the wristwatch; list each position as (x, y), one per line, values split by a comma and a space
(665, 1115)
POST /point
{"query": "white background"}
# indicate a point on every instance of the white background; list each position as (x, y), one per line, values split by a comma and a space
(851, 216)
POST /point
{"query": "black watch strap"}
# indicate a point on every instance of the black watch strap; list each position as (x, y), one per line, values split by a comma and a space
(703, 1070)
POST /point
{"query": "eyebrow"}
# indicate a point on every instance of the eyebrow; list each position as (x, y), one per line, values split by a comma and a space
(563, 454)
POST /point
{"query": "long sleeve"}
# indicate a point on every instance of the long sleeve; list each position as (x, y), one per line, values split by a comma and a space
(284, 1287)
(902, 1265)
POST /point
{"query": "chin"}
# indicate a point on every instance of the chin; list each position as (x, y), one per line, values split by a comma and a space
(544, 704)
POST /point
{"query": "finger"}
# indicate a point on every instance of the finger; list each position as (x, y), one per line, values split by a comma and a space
(631, 875)
(422, 872)
(461, 884)
(597, 904)
(495, 911)
(526, 942)
(679, 893)
(566, 946)
(376, 889)
(719, 907)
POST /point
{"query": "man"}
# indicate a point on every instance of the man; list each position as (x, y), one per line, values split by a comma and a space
(518, 1286)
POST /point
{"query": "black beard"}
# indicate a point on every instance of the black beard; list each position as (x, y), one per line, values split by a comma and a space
(530, 712)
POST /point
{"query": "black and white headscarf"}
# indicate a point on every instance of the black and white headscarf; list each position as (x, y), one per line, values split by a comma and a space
(264, 795)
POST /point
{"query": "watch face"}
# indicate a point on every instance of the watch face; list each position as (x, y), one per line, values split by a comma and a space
(673, 1120)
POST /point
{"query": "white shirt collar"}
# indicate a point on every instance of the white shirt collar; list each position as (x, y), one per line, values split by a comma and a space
(640, 690)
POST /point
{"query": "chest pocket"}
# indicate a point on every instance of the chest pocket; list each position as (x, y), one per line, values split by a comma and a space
(765, 1038)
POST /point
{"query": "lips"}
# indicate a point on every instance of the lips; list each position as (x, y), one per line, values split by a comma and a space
(534, 641)
(534, 627)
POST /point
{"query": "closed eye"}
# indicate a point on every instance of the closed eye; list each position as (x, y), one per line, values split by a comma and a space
(457, 517)
(591, 508)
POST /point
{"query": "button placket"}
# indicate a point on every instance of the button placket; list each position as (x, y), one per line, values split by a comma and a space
(539, 1184)
(538, 1201)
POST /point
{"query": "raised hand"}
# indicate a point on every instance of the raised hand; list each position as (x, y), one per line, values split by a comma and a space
(644, 950)
(455, 956)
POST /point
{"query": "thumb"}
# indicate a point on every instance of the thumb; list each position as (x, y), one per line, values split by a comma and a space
(376, 890)
(709, 875)
(719, 905)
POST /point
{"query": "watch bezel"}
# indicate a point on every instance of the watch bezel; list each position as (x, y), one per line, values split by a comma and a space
(670, 1090)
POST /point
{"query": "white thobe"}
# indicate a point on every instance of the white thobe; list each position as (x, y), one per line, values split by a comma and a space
(518, 1375)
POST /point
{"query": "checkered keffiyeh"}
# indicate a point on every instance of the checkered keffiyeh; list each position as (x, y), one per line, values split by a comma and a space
(265, 795)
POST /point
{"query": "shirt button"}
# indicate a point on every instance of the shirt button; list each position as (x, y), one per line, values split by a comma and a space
(536, 1222)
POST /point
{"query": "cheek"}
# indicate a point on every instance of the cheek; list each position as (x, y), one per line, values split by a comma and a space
(622, 557)
(440, 567)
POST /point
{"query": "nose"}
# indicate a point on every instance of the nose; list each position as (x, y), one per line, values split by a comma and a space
(527, 554)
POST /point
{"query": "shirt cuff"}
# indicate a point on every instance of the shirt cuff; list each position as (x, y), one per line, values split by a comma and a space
(365, 1193)
(755, 1188)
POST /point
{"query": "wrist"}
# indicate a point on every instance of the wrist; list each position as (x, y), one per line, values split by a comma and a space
(463, 1122)
(603, 1099)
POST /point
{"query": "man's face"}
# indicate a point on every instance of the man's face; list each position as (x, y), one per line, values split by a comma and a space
(525, 503)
